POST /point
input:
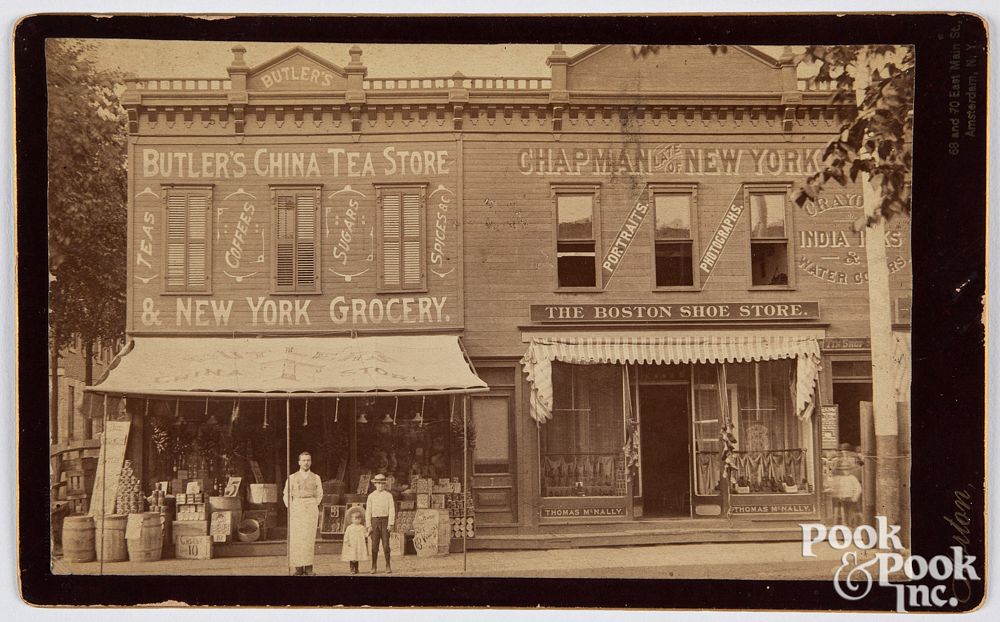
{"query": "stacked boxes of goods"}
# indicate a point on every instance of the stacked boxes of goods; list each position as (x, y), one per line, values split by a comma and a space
(166, 505)
(190, 522)
(621, 477)
(462, 517)
(425, 488)
(129, 499)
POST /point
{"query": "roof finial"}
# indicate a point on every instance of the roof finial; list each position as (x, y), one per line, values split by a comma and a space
(355, 53)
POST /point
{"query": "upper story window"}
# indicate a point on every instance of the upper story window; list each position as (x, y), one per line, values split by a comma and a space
(577, 232)
(673, 235)
(296, 238)
(402, 263)
(769, 235)
(188, 243)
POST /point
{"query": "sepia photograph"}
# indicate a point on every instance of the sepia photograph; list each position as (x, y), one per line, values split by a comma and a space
(524, 310)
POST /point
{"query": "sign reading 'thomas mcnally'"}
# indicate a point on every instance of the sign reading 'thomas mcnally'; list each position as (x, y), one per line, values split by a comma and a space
(687, 312)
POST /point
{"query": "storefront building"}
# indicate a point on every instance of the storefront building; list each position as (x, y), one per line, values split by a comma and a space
(602, 268)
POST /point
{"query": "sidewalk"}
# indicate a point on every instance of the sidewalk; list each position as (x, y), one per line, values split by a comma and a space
(744, 560)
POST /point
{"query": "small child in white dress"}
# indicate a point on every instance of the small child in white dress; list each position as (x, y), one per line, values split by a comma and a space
(355, 547)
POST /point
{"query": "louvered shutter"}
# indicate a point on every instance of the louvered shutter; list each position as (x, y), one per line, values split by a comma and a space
(391, 242)
(197, 241)
(187, 240)
(412, 239)
(284, 242)
(176, 240)
(305, 241)
(403, 239)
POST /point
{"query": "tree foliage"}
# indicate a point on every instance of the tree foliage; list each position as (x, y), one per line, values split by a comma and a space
(877, 138)
(86, 199)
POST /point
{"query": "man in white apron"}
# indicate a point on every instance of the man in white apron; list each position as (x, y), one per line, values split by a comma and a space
(303, 496)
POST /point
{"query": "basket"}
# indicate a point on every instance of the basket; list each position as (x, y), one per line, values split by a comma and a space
(249, 530)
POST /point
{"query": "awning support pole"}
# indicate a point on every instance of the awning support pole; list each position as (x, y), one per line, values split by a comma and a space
(465, 483)
(288, 479)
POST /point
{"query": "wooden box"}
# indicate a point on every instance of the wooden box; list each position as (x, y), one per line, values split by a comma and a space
(423, 501)
(263, 493)
(180, 528)
(222, 527)
(193, 547)
(396, 541)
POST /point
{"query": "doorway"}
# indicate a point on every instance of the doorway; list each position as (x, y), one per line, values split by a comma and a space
(666, 476)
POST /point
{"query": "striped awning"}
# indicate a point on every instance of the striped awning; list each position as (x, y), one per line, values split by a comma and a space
(719, 348)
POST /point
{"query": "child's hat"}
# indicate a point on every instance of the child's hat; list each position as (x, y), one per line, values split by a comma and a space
(379, 478)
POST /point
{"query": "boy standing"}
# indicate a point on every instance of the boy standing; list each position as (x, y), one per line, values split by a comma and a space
(380, 516)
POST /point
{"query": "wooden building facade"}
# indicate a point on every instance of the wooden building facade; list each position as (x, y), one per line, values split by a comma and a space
(614, 245)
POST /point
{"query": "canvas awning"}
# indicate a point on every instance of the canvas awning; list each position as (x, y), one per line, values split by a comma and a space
(714, 348)
(205, 366)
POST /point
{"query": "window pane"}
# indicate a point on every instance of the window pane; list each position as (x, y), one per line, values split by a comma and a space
(492, 450)
(581, 444)
(576, 217)
(577, 263)
(767, 215)
(673, 264)
(707, 417)
(673, 216)
(771, 440)
(769, 263)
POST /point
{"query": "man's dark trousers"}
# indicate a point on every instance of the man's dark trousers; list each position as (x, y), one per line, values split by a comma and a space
(380, 533)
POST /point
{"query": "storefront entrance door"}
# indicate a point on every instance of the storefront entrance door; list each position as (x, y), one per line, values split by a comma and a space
(665, 458)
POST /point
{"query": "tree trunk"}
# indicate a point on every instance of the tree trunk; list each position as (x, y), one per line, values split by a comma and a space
(883, 393)
(54, 390)
(88, 380)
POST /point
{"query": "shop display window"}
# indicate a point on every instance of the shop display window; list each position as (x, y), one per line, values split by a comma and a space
(772, 443)
(581, 446)
(409, 436)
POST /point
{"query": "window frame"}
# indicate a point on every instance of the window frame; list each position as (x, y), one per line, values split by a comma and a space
(380, 190)
(209, 190)
(690, 189)
(297, 289)
(783, 188)
(593, 190)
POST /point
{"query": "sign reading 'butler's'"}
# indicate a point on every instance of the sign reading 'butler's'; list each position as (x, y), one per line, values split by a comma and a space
(687, 312)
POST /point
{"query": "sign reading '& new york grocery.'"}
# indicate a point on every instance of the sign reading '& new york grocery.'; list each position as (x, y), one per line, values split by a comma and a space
(686, 312)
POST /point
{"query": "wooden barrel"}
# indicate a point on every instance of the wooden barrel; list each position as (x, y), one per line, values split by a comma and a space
(78, 539)
(168, 536)
(218, 504)
(148, 546)
(110, 538)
